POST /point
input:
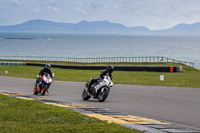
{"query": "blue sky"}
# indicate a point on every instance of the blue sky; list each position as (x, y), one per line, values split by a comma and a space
(153, 14)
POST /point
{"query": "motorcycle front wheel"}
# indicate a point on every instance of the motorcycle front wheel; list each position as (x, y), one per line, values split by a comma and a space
(85, 96)
(44, 89)
(103, 95)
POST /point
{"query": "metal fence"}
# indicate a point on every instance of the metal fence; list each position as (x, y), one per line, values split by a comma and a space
(149, 59)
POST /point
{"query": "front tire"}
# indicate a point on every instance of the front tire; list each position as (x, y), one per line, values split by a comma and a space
(44, 89)
(85, 96)
(103, 95)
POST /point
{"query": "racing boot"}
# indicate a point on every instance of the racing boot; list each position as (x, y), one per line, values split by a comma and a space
(89, 88)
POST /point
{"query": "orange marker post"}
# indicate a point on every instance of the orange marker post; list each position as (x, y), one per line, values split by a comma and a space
(171, 69)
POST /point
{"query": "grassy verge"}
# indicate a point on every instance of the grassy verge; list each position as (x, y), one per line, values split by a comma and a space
(32, 116)
(190, 77)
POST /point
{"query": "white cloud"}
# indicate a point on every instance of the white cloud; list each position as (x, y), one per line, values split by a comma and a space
(53, 8)
(36, 9)
(116, 7)
(77, 8)
(83, 12)
(106, 6)
(56, 9)
(80, 4)
(15, 2)
(80, 10)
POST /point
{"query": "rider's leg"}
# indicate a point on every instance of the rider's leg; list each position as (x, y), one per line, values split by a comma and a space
(48, 88)
(90, 84)
(40, 83)
(93, 80)
(37, 81)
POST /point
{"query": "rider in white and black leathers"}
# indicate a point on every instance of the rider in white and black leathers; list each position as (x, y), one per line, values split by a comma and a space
(109, 70)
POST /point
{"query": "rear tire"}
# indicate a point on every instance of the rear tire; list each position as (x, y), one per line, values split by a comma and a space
(85, 96)
(35, 89)
(103, 95)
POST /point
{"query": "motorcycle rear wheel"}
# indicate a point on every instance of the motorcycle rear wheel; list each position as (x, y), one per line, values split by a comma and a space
(103, 95)
(85, 96)
(35, 90)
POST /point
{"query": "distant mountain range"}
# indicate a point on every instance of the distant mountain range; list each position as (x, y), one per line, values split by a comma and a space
(97, 27)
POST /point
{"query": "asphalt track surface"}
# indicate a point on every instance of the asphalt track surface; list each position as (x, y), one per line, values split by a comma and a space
(172, 104)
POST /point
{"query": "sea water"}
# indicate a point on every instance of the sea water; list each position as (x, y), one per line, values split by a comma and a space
(184, 48)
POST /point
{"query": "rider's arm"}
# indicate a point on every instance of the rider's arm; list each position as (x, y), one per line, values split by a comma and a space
(41, 72)
(111, 76)
(102, 73)
(51, 74)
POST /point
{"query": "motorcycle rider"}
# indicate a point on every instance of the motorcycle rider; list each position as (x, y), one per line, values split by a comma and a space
(46, 69)
(109, 69)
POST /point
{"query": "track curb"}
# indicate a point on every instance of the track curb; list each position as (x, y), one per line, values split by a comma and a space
(134, 122)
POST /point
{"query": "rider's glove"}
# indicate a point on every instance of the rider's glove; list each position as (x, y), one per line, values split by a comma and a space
(39, 76)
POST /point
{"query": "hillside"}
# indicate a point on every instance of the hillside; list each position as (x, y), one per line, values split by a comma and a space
(97, 27)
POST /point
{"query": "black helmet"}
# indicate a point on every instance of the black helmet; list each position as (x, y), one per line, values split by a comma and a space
(110, 68)
(48, 66)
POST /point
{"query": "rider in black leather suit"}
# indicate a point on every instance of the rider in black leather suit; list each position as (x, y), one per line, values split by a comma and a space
(46, 69)
(109, 69)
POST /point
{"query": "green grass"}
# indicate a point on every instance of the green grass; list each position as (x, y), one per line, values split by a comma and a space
(32, 117)
(190, 77)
